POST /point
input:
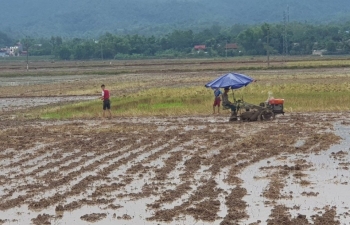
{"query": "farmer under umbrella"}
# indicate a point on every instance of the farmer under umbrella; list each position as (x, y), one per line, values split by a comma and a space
(226, 103)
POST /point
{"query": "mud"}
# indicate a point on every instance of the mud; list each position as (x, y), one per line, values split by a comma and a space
(205, 170)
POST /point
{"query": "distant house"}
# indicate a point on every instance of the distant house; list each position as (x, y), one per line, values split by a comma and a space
(19, 46)
(199, 47)
(13, 51)
(318, 52)
(231, 46)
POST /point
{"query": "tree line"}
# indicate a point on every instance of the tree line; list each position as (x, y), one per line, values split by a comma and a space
(292, 39)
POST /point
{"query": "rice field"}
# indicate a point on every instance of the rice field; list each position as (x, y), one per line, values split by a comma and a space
(164, 158)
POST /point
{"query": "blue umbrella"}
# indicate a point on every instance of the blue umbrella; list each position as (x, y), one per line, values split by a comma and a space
(231, 80)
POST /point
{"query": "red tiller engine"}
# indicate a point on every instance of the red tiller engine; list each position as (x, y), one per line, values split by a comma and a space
(276, 105)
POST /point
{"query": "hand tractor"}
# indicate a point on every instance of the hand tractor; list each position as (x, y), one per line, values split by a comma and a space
(264, 111)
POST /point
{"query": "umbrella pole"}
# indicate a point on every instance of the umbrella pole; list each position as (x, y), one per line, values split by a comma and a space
(236, 103)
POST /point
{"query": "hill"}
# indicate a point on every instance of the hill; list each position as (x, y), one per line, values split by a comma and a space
(91, 18)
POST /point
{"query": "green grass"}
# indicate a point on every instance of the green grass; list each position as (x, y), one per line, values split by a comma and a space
(160, 106)
(301, 97)
(198, 101)
(157, 101)
(76, 110)
(301, 92)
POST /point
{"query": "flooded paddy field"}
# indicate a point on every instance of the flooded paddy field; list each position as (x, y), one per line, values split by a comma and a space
(173, 170)
(176, 170)
(16, 103)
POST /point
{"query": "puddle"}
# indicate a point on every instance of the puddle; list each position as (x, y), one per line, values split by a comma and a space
(10, 104)
(32, 80)
(328, 183)
(299, 143)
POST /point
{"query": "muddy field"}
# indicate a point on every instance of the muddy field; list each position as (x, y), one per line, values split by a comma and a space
(171, 170)
(184, 170)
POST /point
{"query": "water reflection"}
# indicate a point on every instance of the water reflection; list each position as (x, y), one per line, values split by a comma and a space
(10, 104)
(328, 183)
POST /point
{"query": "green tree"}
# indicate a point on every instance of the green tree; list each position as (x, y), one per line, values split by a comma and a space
(64, 53)
(331, 46)
(85, 50)
(252, 41)
(5, 40)
(56, 42)
(181, 40)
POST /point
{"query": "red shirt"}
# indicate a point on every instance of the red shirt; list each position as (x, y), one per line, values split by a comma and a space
(105, 94)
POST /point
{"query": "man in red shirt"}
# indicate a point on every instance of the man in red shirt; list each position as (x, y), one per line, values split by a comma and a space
(106, 102)
(217, 99)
